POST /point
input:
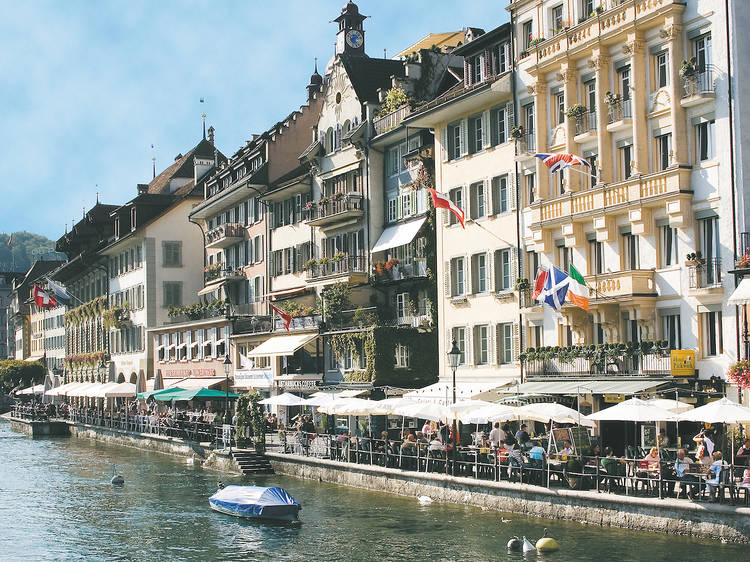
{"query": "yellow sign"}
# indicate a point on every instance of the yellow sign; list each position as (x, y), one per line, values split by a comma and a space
(682, 362)
(614, 398)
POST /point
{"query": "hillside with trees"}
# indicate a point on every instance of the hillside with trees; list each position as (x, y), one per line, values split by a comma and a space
(25, 249)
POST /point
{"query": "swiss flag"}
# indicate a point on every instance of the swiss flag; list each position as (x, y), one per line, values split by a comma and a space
(43, 299)
(440, 200)
(287, 318)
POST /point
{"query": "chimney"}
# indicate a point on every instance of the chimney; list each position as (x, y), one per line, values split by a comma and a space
(142, 188)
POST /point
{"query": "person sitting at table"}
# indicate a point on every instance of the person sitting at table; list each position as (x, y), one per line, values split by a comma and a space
(567, 449)
(497, 435)
(613, 465)
(537, 452)
(522, 436)
(653, 456)
(715, 480)
(681, 468)
(515, 458)
(743, 454)
(425, 428)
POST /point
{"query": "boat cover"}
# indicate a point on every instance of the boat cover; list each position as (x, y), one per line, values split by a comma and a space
(249, 501)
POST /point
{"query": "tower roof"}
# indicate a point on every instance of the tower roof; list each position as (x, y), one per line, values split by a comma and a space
(350, 10)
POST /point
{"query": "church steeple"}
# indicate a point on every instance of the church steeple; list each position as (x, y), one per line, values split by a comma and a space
(351, 35)
(316, 83)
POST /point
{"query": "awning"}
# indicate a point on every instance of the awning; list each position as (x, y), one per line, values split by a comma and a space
(36, 389)
(34, 358)
(286, 292)
(215, 285)
(59, 390)
(198, 382)
(257, 383)
(281, 345)
(100, 391)
(442, 392)
(741, 295)
(81, 390)
(582, 387)
(398, 235)
(122, 390)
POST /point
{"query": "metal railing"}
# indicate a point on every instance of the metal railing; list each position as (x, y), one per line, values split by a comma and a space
(334, 207)
(620, 110)
(638, 365)
(347, 264)
(586, 122)
(420, 317)
(215, 274)
(699, 83)
(416, 267)
(226, 230)
(392, 120)
(706, 274)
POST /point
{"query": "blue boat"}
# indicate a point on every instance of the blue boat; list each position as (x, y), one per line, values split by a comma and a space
(256, 502)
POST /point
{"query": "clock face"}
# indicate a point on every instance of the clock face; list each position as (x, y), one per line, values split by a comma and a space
(354, 38)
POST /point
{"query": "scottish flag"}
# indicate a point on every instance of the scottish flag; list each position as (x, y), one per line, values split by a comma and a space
(555, 289)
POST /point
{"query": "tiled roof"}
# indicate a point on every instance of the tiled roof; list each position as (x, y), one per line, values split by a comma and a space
(442, 40)
(367, 75)
(182, 167)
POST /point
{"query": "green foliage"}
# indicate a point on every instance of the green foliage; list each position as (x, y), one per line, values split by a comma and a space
(598, 354)
(295, 309)
(535, 42)
(336, 299)
(395, 98)
(25, 250)
(20, 374)
(115, 317)
(575, 111)
(251, 419)
(198, 310)
(91, 309)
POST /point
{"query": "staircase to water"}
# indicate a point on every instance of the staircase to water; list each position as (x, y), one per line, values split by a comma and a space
(252, 462)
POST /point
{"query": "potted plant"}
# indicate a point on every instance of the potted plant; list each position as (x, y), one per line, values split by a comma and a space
(324, 201)
(576, 111)
(309, 264)
(338, 256)
(391, 263)
(744, 260)
(611, 99)
(535, 42)
(324, 260)
(517, 132)
(689, 68)
(694, 259)
(522, 284)
(739, 374)
(338, 196)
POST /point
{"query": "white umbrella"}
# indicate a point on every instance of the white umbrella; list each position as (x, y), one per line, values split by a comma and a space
(720, 411)
(546, 412)
(345, 406)
(635, 410)
(36, 389)
(80, 391)
(320, 398)
(285, 399)
(122, 390)
(102, 390)
(389, 406)
(670, 405)
(487, 414)
(468, 405)
(425, 411)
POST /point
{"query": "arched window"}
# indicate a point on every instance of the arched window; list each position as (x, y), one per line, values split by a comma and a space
(329, 140)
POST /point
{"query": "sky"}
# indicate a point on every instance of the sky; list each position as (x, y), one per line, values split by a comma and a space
(87, 87)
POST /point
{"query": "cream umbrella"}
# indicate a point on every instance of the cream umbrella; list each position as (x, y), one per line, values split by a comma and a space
(719, 411)
(389, 406)
(426, 411)
(285, 399)
(635, 410)
(122, 390)
(488, 414)
(670, 405)
(546, 412)
(468, 405)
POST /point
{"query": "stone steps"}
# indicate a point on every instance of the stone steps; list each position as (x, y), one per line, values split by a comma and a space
(251, 462)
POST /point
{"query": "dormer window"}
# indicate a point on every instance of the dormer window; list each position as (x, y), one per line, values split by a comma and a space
(476, 65)
(132, 219)
(117, 227)
(502, 56)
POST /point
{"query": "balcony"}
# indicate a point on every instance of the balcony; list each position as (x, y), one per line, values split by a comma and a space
(391, 121)
(525, 300)
(698, 88)
(219, 274)
(419, 318)
(585, 126)
(258, 308)
(526, 144)
(620, 116)
(336, 209)
(621, 285)
(330, 267)
(225, 235)
(706, 274)
(416, 267)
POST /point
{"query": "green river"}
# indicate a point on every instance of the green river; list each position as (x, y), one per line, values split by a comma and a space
(56, 503)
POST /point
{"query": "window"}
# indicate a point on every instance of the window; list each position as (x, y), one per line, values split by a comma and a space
(668, 238)
(457, 196)
(590, 89)
(536, 336)
(560, 104)
(670, 330)
(504, 343)
(530, 187)
(455, 148)
(596, 257)
(623, 78)
(457, 277)
(476, 191)
(479, 273)
(402, 356)
(630, 253)
(626, 161)
(503, 272)
(587, 8)
(663, 151)
(592, 174)
(526, 34)
(476, 134)
(481, 345)
(172, 293)
(500, 119)
(393, 161)
(702, 50)
(710, 249)
(476, 65)
(712, 334)
(393, 209)
(500, 195)
(459, 336)
(528, 111)
(406, 209)
(402, 305)
(661, 60)
(172, 254)
(704, 140)
(557, 19)
(502, 56)
(564, 257)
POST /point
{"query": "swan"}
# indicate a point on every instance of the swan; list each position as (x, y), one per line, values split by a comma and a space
(424, 500)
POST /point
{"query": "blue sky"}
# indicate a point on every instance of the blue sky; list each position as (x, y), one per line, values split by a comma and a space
(87, 87)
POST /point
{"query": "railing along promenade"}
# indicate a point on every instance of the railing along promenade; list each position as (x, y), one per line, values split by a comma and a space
(630, 475)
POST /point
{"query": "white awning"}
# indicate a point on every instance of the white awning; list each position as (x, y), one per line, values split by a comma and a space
(741, 295)
(36, 389)
(582, 387)
(59, 390)
(81, 390)
(211, 287)
(122, 390)
(281, 345)
(34, 358)
(100, 391)
(442, 392)
(198, 382)
(398, 235)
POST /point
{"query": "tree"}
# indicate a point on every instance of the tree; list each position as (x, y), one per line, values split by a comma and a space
(25, 249)
(251, 419)
(20, 374)
(336, 301)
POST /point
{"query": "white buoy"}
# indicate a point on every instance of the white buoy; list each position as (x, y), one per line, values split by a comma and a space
(424, 500)
(514, 543)
(527, 546)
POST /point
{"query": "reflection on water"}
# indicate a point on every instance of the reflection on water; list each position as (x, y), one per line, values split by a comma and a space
(57, 503)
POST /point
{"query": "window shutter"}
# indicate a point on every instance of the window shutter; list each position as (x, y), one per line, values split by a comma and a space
(464, 134)
(490, 268)
(510, 118)
(492, 339)
(469, 344)
(447, 280)
(486, 129)
(513, 267)
(516, 342)
(513, 187)
(467, 275)
(444, 143)
(487, 64)
(494, 133)
(521, 262)
(471, 127)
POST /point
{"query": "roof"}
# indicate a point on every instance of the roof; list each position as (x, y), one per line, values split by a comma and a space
(367, 75)
(442, 40)
(183, 167)
(480, 42)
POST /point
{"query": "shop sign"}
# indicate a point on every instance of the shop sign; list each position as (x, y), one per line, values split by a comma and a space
(186, 373)
(298, 384)
(614, 398)
(682, 362)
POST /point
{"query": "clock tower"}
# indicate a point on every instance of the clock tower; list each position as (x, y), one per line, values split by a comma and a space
(351, 35)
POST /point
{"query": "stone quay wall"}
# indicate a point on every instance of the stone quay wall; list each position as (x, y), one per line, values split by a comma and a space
(719, 522)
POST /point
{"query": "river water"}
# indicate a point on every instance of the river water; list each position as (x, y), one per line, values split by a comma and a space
(56, 503)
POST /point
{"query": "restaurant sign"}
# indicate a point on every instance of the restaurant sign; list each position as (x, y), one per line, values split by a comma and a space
(682, 362)
(308, 384)
(614, 398)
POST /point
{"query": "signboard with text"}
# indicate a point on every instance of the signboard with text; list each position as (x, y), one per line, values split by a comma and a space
(682, 362)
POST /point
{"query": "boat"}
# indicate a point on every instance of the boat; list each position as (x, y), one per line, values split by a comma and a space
(256, 502)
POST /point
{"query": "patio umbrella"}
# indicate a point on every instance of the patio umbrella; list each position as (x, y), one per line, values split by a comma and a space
(487, 414)
(158, 380)
(320, 398)
(720, 411)
(285, 399)
(122, 390)
(389, 406)
(635, 410)
(546, 412)
(149, 393)
(468, 405)
(344, 406)
(426, 411)
(670, 405)
(180, 394)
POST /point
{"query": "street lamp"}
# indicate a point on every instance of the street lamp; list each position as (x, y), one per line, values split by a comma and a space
(227, 369)
(454, 358)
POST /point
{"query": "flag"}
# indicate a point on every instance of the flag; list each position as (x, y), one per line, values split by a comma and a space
(439, 200)
(10, 240)
(287, 318)
(541, 278)
(61, 295)
(43, 299)
(578, 292)
(558, 162)
(555, 289)
(202, 100)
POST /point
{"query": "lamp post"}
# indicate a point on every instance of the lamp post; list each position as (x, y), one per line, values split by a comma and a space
(454, 358)
(227, 364)
(578, 393)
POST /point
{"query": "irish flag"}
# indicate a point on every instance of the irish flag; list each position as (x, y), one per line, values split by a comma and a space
(578, 293)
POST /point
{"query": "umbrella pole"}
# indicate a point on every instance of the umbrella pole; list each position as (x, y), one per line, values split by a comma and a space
(401, 448)
(549, 446)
